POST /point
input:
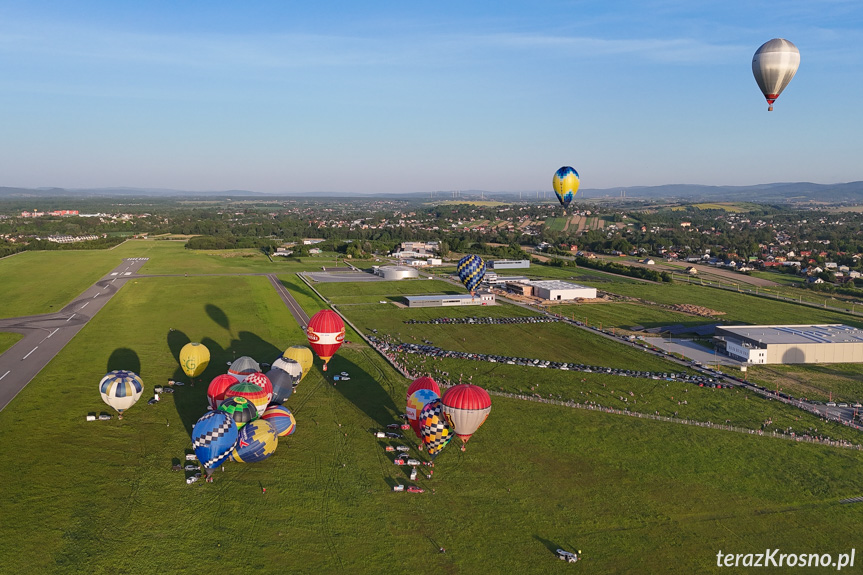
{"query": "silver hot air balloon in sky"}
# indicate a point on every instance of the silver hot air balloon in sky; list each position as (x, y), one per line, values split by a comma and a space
(773, 65)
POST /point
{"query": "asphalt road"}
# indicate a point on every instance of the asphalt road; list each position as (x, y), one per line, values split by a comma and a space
(299, 315)
(45, 335)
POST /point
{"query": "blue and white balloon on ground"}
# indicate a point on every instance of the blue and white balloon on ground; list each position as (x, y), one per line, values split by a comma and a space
(121, 389)
(214, 437)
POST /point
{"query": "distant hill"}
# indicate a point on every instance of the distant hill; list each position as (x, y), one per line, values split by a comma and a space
(850, 192)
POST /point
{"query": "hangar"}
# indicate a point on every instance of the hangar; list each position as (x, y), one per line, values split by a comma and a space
(396, 272)
(560, 290)
(778, 344)
(481, 298)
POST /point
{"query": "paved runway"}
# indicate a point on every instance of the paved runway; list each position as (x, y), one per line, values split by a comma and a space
(45, 335)
(295, 309)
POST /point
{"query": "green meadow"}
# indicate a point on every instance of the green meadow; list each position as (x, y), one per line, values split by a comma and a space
(7, 340)
(636, 496)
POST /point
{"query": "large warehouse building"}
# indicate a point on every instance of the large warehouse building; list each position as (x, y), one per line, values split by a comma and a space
(833, 343)
(508, 264)
(481, 298)
(396, 272)
(559, 290)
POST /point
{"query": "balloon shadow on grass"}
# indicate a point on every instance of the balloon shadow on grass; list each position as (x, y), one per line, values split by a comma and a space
(217, 315)
(552, 548)
(363, 390)
(124, 358)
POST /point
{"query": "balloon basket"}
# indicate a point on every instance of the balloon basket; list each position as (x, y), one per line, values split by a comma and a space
(325, 367)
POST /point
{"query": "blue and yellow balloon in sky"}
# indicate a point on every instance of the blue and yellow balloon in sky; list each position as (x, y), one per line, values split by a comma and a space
(565, 182)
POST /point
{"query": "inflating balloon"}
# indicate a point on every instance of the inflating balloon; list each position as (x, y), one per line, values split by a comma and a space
(326, 332)
(434, 428)
(253, 393)
(240, 409)
(302, 355)
(773, 65)
(282, 419)
(121, 389)
(415, 404)
(194, 358)
(466, 407)
(213, 438)
(263, 382)
(424, 382)
(255, 442)
(284, 381)
(470, 270)
(218, 387)
(243, 367)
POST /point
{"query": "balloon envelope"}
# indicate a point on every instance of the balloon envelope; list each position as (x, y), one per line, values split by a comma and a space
(284, 381)
(218, 387)
(255, 442)
(213, 438)
(250, 391)
(243, 367)
(424, 382)
(415, 404)
(194, 358)
(240, 409)
(302, 355)
(466, 407)
(282, 419)
(565, 183)
(434, 427)
(773, 65)
(120, 389)
(263, 382)
(326, 332)
(470, 270)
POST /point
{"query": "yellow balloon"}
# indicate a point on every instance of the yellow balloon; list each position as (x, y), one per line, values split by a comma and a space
(194, 358)
(302, 355)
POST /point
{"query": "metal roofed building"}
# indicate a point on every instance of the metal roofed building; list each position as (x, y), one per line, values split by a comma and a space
(508, 264)
(778, 344)
(481, 298)
(560, 290)
(393, 273)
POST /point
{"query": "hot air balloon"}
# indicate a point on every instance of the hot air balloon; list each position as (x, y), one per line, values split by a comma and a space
(194, 358)
(121, 389)
(434, 428)
(773, 65)
(243, 367)
(326, 332)
(424, 382)
(250, 391)
(466, 406)
(282, 419)
(565, 183)
(415, 404)
(470, 270)
(240, 409)
(213, 438)
(218, 387)
(302, 355)
(284, 379)
(256, 441)
(263, 382)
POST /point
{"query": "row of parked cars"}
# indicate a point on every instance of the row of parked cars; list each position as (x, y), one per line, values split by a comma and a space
(433, 351)
(485, 320)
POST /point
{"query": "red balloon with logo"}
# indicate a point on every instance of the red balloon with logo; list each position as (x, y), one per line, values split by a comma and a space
(326, 332)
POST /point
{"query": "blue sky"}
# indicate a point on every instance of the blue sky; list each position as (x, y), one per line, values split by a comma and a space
(405, 96)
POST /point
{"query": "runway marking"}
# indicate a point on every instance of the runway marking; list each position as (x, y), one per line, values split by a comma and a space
(70, 317)
(127, 274)
(5, 374)
(113, 273)
(50, 334)
(31, 351)
(95, 296)
(85, 305)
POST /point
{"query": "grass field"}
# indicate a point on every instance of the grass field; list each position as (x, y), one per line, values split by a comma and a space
(627, 315)
(636, 496)
(837, 381)
(556, 224)
(7, 340)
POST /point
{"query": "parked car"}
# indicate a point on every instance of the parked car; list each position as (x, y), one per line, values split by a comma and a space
(393, 435)
(566, 556)
(413, 462)
(415, 489)
(398, 487)
(405, 426)
(389, 448)
(394, 426)
(399, 461)
(402, 448)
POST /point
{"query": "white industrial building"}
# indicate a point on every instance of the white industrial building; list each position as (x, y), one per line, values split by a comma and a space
(481, 298)
(508, 264)
(560, 290)
(779, 344)
(395, 272)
